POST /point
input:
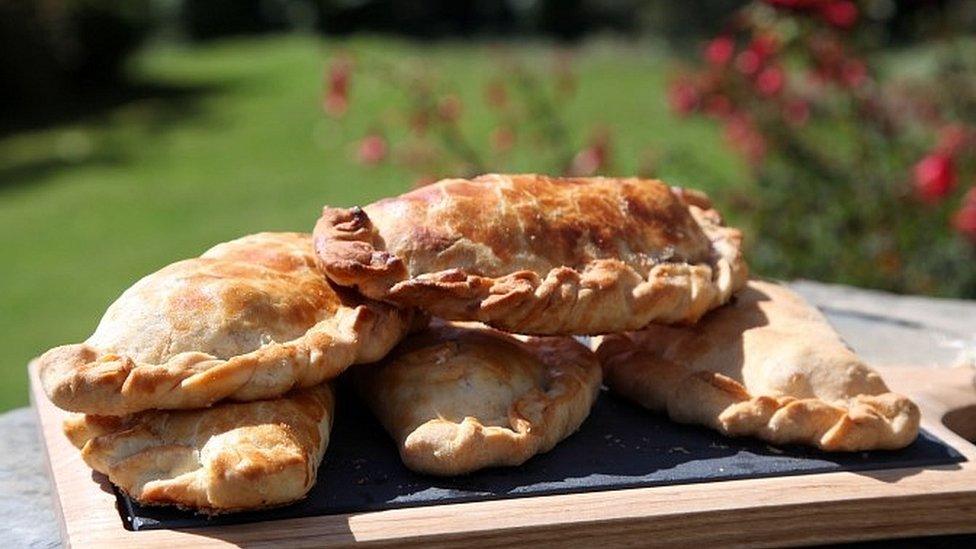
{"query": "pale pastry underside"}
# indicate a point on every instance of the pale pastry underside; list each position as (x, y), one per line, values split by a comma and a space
(231, 457)
(461, 397)
(767, 365)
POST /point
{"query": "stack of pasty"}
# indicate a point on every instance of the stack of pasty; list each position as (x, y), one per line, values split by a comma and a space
(207, 384)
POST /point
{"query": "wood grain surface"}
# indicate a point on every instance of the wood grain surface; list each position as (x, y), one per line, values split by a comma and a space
(782, 511)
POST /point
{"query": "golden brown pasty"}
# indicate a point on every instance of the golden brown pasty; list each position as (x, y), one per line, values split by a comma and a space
(457, 398)
(539, 255)
(247, 320)
(767, 365)
(234, 456)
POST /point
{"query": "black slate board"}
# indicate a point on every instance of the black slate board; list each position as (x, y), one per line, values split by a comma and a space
(619, 446)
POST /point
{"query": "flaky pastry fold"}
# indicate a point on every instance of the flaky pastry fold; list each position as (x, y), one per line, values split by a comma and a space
(538, 255)
(460, 397)
(249, 319)
(767, 365)
(234, 456)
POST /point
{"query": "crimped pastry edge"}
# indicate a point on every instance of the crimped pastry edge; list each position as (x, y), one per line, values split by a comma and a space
(539, 420)
(84, 431)
(82, 378)
(565, 301)
(884, 421)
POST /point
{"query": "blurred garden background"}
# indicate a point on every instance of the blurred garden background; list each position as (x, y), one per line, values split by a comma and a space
(839, 134)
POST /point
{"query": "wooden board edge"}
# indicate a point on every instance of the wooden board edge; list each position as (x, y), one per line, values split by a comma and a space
(753, 512)
(52, 479)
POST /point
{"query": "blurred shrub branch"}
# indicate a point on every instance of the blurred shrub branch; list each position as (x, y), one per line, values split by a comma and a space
(864, 170)
(862, 158)
(528, 107)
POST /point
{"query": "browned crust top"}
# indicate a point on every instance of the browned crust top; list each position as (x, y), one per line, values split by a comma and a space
(494, 225)
(250, 319)
(537, 254)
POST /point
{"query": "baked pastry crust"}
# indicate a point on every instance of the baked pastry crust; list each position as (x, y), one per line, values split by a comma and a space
(767, 365)
(460, 397)
(231, 457)
(539, 255)
(249, 319)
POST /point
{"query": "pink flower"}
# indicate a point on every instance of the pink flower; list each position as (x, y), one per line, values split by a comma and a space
(742, 135)
(827, 51)
(719, 51)
(965, 219)
(935, 177)
(970, 197)
(748, 62)
(796, 4)
(372, 150)
(842, 14)
(853, 73)
(683, 97)
(336, 100)
(954, 137)
(765, 45)
(502, 139)
(796, 112)
(757, 53)
(449, 108)
(419, 121)
(816, 78)
(586, 162)
(594, 157)
(770, 81)
(718, 106)
(495, 95)
(737, 128)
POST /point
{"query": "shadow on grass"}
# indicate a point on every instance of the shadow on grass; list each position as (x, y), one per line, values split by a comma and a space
(165, 106)
(91, 102)
(37, 170)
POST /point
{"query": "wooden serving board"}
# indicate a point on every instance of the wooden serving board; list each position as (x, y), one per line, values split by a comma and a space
(790, 510)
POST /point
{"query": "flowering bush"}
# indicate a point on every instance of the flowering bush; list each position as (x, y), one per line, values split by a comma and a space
(863, 172)
(864, 175)
(527, 108)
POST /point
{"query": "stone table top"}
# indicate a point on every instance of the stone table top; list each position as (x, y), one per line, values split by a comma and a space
(893, 330)
(885, 329)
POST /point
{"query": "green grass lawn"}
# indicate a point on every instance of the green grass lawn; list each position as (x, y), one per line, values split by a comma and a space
(88, 207)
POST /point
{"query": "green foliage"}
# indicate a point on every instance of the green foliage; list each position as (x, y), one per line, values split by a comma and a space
(864, 161)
